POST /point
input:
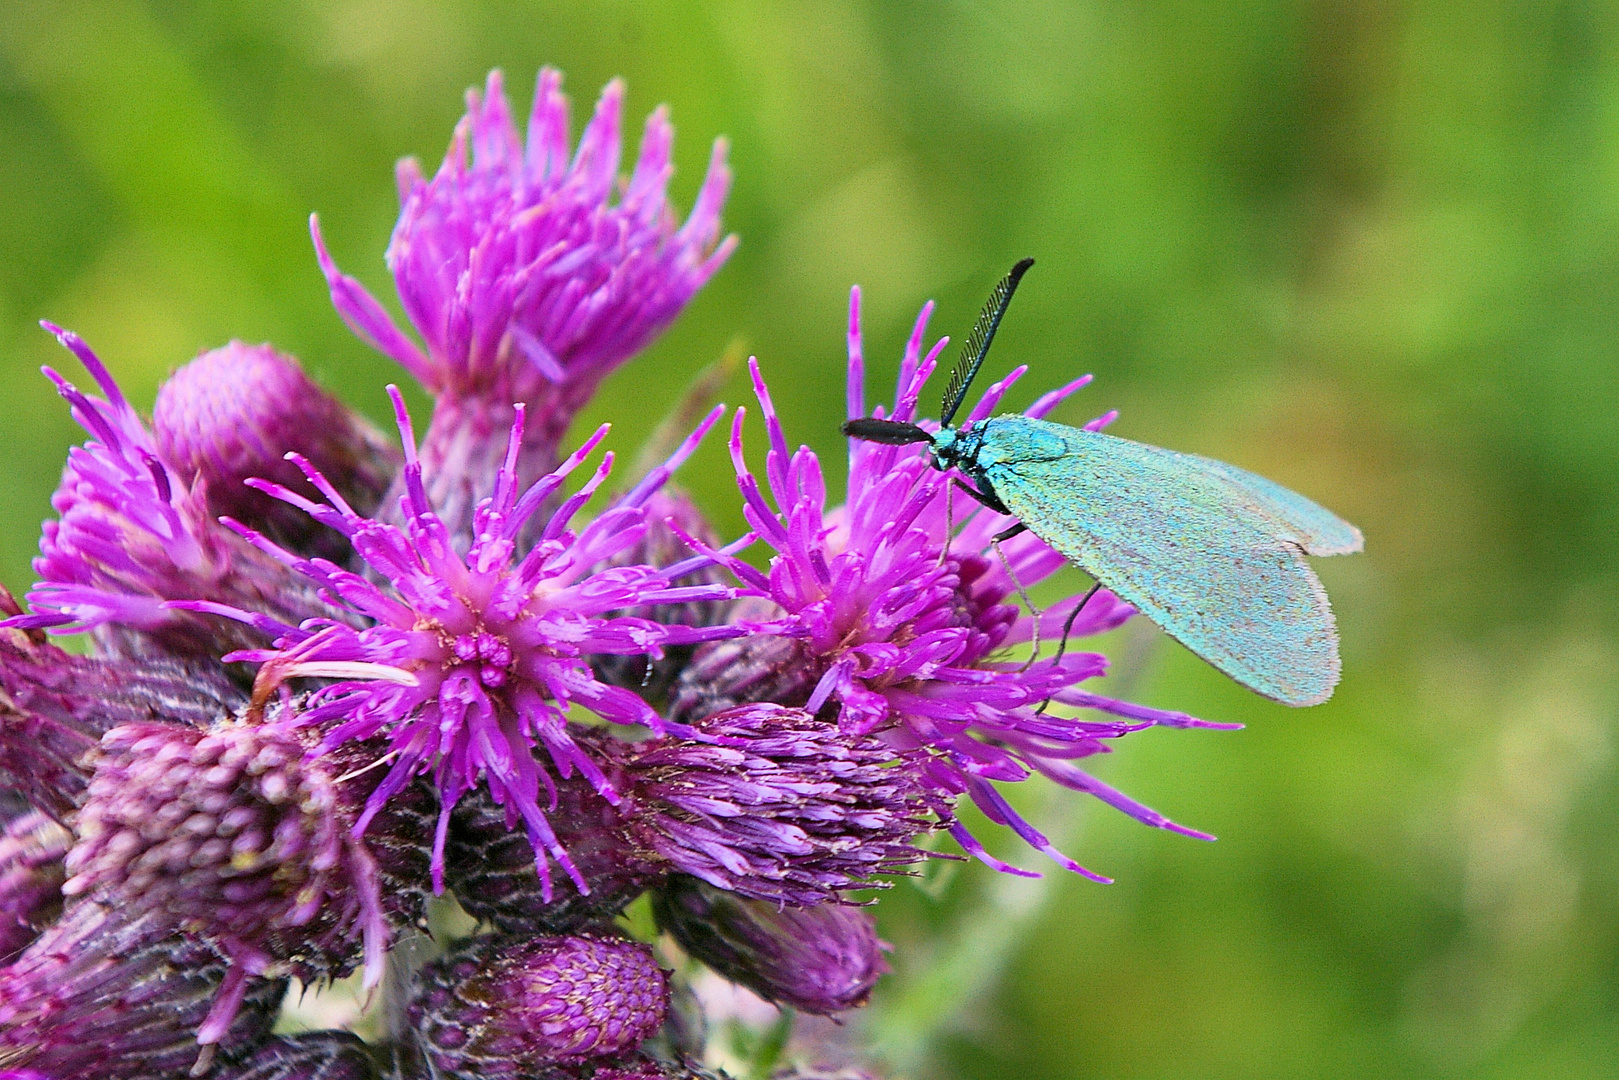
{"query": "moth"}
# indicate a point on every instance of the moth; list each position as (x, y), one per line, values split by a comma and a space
(1213, 554)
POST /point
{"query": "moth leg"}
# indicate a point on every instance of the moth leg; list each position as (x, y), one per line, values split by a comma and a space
(1007, 534)
(1023, 594)
(1062, 646)
(988, 498)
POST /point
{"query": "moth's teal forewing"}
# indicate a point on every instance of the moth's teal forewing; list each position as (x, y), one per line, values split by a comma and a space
(1318, 530)
(1213, 554)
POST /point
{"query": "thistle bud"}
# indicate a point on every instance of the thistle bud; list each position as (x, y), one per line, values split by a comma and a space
(502, 1007)
(133, 535)
(819, 960)
(233, 414)
(775, 804)
(238, 837)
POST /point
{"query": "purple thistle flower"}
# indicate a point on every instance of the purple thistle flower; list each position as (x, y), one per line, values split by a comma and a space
(472, 660)
(515, 265)
(527, 279)
(238, 836)
(111, 993)
(503, 1007)
(900, 615)
(772, 803)
(775, 804)
(133, 534)
(32, 848)
(318, 1055)
(235, 412)
(821, 959)
(54, 706)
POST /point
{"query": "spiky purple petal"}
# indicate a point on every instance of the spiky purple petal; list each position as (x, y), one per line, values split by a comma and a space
(133, 533)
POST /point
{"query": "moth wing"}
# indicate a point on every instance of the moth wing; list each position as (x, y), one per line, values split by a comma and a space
(1318, 530)
(1210, 561)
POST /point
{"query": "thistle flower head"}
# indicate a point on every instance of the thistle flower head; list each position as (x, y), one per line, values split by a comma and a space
(237, 835)
(235, 412)
(133, 533)
(776, 804)
(467, 662)
(517, 264)
(901, 610)
(821, 959)
(507, 1007)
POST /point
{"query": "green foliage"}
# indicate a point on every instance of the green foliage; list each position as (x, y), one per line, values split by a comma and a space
(1369, 250)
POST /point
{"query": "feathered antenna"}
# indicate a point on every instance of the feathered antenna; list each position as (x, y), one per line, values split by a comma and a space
(978, 342)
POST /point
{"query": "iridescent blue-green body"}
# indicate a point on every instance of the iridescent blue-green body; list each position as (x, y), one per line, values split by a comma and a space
(1212, 553)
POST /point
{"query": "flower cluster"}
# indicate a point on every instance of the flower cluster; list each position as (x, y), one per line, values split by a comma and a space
(328, 677)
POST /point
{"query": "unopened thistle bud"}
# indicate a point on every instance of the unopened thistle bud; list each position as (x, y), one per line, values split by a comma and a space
(776, 804)
(237, 837)
(233, 414)
(132, 535)
(822, 959)
(502, 1007)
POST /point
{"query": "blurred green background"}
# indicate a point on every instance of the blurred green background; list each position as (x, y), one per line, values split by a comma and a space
(1370, 250)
